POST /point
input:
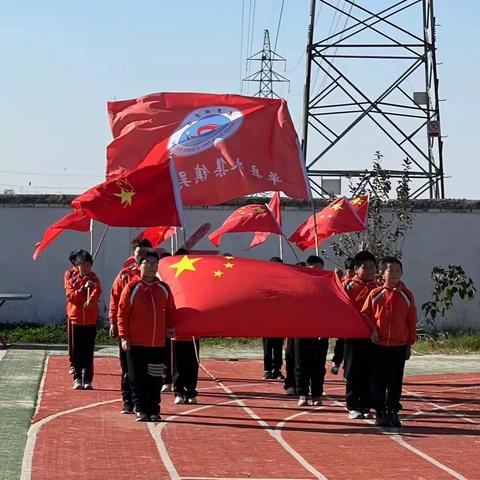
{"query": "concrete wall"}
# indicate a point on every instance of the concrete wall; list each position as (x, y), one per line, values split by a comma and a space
(439, 237)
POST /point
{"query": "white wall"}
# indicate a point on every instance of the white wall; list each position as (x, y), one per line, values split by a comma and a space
(438, 238)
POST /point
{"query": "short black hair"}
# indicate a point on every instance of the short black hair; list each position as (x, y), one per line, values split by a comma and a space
(362, 257)
(388, 259)
(227, 254)
(301, 264)
(182, 251)
(141, 242)
(276, 259)
(349, 264)
(315, 259)
(84, 256)
(149, 253)
(73, 255)
(164, 254)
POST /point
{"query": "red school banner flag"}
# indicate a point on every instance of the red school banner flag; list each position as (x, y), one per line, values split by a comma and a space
(224, 146)
(239, 297)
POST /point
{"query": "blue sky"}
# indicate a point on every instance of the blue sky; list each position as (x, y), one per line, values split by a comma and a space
(62, 61)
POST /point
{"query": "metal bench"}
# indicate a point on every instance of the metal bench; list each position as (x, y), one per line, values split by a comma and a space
(4, 297)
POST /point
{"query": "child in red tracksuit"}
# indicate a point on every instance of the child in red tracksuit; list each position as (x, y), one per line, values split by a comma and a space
(358, 351)
(83, 292)
(145, 312)
(391, 313)
(126, 274)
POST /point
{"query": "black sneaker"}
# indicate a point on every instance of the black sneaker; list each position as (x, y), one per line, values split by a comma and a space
(155, 418)
(394, 420)
(382, 419)
(277, 375)
(142, 417)
(127, 408)
(267, 375)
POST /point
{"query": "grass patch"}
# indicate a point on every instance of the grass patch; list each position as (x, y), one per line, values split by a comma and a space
(448, 342)
(46, 334)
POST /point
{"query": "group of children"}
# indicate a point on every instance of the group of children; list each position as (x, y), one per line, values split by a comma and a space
(141, 317)
(152, 359)
(373, 367)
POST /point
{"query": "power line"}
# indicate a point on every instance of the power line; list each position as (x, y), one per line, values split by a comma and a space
(278, 27)
(7, 172)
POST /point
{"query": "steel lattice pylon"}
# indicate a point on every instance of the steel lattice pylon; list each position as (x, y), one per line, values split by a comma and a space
(266, 76)
(409, 121)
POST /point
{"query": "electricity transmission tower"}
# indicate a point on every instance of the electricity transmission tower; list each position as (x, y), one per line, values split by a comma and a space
(266, 76)
(380, 87)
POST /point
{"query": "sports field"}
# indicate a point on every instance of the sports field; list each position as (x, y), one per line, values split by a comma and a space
(243, 427)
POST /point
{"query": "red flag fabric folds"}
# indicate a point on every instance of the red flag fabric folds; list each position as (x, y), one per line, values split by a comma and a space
(156, 235)
(238, 297)
(76, 220)
(145, 197)
(249, 218)
(360, 206)
(224, 146)
(337, 217)
(274, 207)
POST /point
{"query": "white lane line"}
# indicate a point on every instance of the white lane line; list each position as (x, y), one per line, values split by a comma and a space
(2, 353)
(272, 432)
(433, 410)
(442, 408)
(239, 478)
(439, 380)
(397, 437)
(156, 432)
(35, 428)
(42, 385)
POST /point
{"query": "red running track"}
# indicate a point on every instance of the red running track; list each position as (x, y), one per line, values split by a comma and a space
(244, 427)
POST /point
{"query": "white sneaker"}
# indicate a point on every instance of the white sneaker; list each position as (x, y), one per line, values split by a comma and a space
(290, 391)
(166, 388)
(355, 414)
(77, 384)
(88, 386)
(317, 401)
(366, 413)
(179, 400)
(192, 400)
(302, 401)
(71, 370)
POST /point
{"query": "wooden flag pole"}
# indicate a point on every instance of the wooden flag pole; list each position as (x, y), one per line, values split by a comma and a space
(280, 246)
(91, 236)
(315, 232)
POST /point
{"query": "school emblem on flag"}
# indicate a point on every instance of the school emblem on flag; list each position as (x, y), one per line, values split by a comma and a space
(203, 128)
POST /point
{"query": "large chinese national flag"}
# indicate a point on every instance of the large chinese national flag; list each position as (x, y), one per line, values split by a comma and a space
(238, 297)
(360, 206)
(224, 146)
(76, 220)
(249, 218)
(145, 197)
(337, 217)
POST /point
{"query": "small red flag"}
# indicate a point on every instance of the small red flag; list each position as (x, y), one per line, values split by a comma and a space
(249, 218)
(360, 206)
(145, 197)
(239, 297)
(75, 220)
(224, 146)
(156, 235)
(337, 217)
(274, 206)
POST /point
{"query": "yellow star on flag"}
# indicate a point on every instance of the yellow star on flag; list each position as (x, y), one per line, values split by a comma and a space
(229, 258)
(356, 201)
(185, 263)
(126, 197)
(217, 273)
(228, 265)
(336, 207)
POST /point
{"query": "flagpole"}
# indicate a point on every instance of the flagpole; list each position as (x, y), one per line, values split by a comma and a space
(172, 244)
(290, 245)
(101, 242)
(280, 246)
(317, 249)
(91, 236)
